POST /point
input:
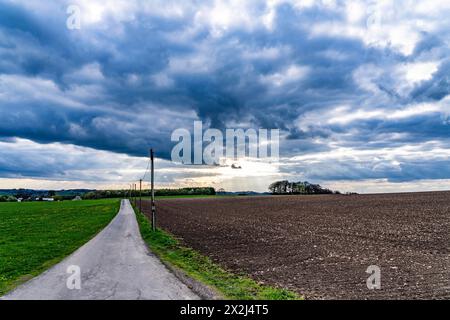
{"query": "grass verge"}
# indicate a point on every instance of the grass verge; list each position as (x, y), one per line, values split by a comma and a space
(36, 235)
(201, 268)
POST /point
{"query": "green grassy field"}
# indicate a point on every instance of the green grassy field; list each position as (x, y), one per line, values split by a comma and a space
(36, 235)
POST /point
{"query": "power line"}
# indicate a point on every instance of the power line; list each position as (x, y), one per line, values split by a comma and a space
(146, 170)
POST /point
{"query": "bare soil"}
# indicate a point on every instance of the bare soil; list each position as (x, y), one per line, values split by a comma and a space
(320, 246)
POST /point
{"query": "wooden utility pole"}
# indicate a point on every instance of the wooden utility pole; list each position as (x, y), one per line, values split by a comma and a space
(153, 190)
(140, 195)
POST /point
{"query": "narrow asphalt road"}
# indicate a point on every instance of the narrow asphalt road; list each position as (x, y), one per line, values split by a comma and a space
(116, 264)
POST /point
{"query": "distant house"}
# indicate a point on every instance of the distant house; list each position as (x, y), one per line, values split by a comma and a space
(77, 198)
(48, 199)
(20, 200)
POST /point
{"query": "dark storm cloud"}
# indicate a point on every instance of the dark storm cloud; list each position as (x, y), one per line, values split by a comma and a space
(123, 85)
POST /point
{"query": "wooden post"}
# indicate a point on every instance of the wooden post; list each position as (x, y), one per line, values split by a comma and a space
(140, 195)
(135, 194)
(153, 190)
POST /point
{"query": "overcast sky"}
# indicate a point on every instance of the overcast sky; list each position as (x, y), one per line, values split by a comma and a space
(359, 89)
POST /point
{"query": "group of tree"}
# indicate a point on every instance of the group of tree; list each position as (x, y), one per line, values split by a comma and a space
(301, 187)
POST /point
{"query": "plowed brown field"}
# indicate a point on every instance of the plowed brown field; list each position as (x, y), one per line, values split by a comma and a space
(321, 246)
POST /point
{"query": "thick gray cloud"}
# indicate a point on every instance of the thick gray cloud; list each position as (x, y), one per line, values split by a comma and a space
(328, 74)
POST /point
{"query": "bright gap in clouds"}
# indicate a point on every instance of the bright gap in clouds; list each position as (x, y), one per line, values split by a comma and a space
(420, 71)
(69, 166)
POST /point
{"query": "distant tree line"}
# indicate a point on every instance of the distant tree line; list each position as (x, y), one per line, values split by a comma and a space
(101, 194)
(208, 191)
(301, 187)
(5, 198)
(36, 195)
(12, 195)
